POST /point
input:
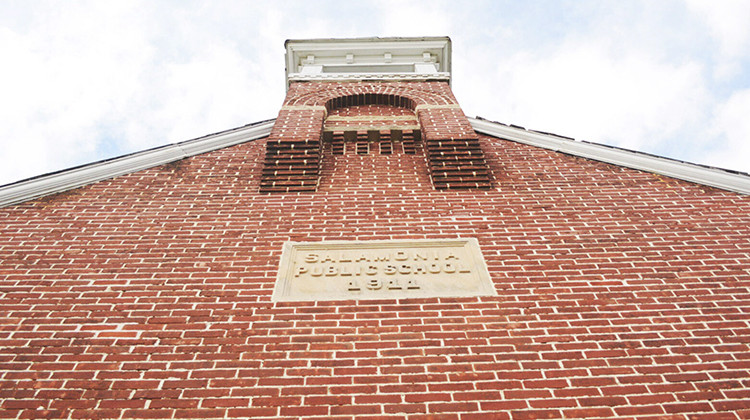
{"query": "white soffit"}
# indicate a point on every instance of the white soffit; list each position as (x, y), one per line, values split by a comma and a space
(56, 182)
(424, 58)
(714, 177)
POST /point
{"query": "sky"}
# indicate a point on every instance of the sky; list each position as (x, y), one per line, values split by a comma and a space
(82, 81)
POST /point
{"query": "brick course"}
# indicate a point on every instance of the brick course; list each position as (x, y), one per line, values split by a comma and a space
(622, 294)
(455, 159)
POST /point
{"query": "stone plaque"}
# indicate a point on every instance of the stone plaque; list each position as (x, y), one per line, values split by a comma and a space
(333, 270)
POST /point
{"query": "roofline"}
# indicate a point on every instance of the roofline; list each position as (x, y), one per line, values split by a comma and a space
(368, 39)
(51, 183)
(67, 179)
(368, 58)
(715, 177)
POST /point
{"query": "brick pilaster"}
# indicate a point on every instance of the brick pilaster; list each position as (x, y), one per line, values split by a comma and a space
(293, 153)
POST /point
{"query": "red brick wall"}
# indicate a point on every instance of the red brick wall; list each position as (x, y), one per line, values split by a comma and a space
(621, 294)
(293, 155)
(379, 117)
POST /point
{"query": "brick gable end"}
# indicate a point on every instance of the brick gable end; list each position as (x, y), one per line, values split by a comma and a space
(622, 294)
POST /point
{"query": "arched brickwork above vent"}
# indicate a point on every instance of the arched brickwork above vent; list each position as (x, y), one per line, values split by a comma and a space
(370, 99)
(319, 93)
(294, 148)
(374, 128)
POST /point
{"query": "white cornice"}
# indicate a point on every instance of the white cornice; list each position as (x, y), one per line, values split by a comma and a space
(21, 191)
(714, 177)
(424, 58)
(392, 77)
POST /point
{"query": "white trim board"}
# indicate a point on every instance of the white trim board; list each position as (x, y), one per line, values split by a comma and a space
(714, 177)
(28, 189)
(347, 59)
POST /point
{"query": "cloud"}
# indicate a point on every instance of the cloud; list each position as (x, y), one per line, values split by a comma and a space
(727, 21)
(53, 83)
(731, 129)
(587, 91)
(401, 18)
(85, 81)
(91, 80)
(637, 77)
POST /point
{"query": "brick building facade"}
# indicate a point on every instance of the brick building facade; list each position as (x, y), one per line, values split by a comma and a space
(143, 287)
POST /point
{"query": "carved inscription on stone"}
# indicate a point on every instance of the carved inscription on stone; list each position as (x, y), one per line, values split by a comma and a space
(333, 270)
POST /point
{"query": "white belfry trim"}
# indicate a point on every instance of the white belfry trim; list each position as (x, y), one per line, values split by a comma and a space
(714, 177)
(350, 59)
(21, 191)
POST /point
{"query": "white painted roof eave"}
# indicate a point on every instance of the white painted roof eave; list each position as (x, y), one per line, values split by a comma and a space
(43, 185)
(57, 182)
(714, 177)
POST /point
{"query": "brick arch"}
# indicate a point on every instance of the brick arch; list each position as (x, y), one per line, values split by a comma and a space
(416, 94)
(370, 99)
(294, 148)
